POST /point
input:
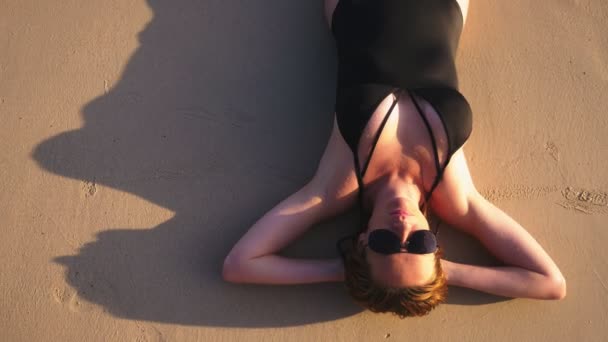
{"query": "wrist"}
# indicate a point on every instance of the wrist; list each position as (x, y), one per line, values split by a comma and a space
(337, 269)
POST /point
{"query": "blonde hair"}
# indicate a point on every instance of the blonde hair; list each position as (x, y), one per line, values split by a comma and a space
(403, 302)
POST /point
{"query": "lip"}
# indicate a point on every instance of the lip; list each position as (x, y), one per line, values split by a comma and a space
(399, 212)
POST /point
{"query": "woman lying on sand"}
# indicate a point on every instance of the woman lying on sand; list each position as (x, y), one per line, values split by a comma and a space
(396, 151)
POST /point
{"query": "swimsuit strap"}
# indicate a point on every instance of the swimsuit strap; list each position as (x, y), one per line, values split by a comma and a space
(435, 152)
(377, 137)
(360, 192)
(361, 173)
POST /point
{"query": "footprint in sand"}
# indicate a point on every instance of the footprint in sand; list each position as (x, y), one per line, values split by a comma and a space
(552, 150)
(89, 188)
(69, 298)
(586, 201)
(149, 333)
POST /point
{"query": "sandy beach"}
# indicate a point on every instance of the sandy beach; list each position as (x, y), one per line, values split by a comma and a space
(140, 140)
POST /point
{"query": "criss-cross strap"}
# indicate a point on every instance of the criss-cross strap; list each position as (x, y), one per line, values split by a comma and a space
(361, 170)
(438, 167)
(360, 173)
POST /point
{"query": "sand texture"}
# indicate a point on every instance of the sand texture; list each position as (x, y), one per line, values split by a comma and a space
(140, 139)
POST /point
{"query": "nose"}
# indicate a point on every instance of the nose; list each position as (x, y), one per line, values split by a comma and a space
(403, 229)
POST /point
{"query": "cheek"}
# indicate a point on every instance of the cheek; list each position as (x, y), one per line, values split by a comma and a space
(422, 221)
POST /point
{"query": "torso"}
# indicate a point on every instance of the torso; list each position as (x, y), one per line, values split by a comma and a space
(330, 7)
(404, 146)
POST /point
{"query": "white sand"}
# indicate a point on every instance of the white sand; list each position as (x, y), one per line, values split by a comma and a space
(139, 140)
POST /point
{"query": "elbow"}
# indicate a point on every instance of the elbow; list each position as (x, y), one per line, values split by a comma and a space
(556, 288)
(231, 270)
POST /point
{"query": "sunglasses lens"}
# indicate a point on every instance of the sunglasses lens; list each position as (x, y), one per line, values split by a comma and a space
(384, 242)
(422, 242)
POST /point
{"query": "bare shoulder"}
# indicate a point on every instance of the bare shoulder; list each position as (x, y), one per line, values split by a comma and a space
(335, 177)
(464, 7)
(451, 198)
(329, 8)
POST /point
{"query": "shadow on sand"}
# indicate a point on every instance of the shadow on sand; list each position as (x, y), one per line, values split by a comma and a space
(224, 108)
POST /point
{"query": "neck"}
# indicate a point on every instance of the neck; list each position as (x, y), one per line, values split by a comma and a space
(394, 192)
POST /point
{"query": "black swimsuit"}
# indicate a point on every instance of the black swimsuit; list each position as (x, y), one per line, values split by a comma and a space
(397, 46)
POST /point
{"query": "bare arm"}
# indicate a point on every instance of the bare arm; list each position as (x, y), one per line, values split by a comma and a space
(254, 258)
(529, 272)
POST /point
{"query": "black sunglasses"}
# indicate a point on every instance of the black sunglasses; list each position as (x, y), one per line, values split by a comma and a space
(384, 241)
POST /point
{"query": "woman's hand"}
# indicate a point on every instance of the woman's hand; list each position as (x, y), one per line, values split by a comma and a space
(528, 272)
